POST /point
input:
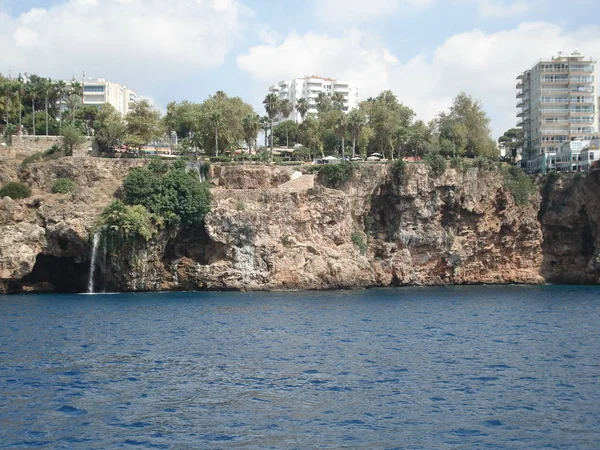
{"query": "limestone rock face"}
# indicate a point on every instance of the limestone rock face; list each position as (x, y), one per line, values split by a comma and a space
(570, 218)
(19, 246)
(250, 177)
(267, 231)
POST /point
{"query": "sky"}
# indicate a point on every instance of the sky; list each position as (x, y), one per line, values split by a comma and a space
(425, 51)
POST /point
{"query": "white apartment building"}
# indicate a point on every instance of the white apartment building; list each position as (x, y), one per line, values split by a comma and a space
(309, 87)
(99, 91)
(558, 102)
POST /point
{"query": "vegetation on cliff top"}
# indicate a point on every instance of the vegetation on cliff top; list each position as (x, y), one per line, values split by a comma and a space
(519, 184)
(336, 175)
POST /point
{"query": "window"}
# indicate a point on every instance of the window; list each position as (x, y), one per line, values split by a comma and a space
(93, 88)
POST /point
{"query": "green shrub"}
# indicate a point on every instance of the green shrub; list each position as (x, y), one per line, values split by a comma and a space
(31, 158)
(15, 190)
(220, 158)
(52, 150)
(485, 164)
(398, 167)
(456, 163)
(335, 175)
(241, 205)
(63, 186)
(357, 240)
(129, 222)
(176, 195)
(437, 163)
(287, 241)
(519, 184)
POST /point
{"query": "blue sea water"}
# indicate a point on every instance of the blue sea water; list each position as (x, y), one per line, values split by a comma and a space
(511, 367)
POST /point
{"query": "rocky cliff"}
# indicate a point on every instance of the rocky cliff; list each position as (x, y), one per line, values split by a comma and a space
(274, 228)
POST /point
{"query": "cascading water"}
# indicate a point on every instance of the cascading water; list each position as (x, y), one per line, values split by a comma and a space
(95, 244)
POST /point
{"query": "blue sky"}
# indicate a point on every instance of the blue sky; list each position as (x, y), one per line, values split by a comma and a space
(426, 51)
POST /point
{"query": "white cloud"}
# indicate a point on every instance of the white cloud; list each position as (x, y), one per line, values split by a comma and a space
(137, 42)
(343, 12)
(491, 9)
(482, 64)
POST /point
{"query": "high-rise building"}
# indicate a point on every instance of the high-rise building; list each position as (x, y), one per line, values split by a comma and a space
(99, 91)
(558, 103)
(309, 87)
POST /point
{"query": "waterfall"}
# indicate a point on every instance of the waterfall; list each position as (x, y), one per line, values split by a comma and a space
(200, 168)
(97, 236)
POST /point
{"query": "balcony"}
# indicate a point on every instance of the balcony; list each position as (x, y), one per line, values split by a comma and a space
(555, 110)
(582, 109)
(582, 79)
(520, 85)
(554, 79)
(564, 89)
(579, 68)
(554, 131)
(586, 130)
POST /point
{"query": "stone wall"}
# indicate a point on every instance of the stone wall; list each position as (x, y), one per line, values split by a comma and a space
(28, 145)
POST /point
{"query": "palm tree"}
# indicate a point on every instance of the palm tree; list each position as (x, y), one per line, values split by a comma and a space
(60, 88)
(251, 127)
(271, 103)
(46, 86)
(263, 123)
(338, 100)
(302, 107)
(75, 98)
(341, 125)
(356, 121)
(286, 108)
(215, 121)
(32, 92)
(8, 88)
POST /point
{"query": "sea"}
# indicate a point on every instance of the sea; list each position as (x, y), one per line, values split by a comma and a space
(464, 367)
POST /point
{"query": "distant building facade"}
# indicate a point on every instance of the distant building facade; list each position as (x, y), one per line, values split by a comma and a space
(309, 87)
(99, 91)
(558, 103)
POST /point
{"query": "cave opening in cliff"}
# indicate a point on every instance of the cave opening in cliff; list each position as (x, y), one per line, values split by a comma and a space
(194, 243)
(59, 274)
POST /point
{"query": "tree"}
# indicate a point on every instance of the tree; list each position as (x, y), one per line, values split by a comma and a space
(386, 115)
(215, 121)
(467, 127)
(264, 126)
(286, 108)
(143, 124)
(71, 138)
(513, 141)
(251, 127)
(8, 88)
(271, 103)
(174, 194)
(32, 91)
(110, 129)
(302, 107)
(74, 98)
(284, 131)
(310, 135)
(337, 100)
(418, 137)
(46, 88)
(60, 89)
(324, 103)
(341, 126)
(356, 121)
